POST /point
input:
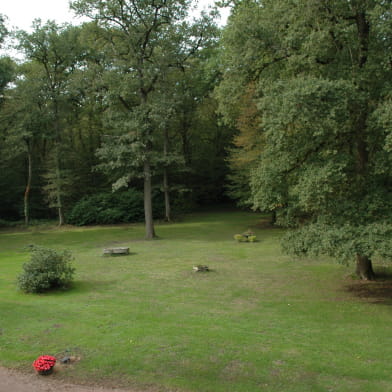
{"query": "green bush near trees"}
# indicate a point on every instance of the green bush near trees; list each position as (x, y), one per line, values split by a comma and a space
(106, 208)
(47, 269)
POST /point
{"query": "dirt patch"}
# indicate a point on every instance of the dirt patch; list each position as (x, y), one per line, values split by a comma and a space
(15, 381)
(264, 223)
(377, 291)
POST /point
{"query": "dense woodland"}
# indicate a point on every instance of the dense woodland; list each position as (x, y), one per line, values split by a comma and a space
(145, 112)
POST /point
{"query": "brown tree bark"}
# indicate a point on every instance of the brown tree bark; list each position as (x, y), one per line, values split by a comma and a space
(364, 268)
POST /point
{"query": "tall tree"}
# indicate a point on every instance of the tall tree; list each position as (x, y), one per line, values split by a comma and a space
(8, 207)
(247, 147)
(25, 120)
(143, 38)
(6, 64)
(55, 50)
(323, 73)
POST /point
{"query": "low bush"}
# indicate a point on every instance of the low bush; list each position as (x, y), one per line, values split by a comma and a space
(107, 208)
(239, 238)
(248, 236)
(4, 223)
(47, 269)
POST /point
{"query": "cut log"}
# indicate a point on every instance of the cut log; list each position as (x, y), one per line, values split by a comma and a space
(115, 251)
(201, 268)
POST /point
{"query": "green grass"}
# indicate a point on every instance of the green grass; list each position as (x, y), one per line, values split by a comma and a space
(259, 321)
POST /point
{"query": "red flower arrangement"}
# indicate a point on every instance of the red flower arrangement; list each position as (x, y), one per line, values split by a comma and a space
(44, 364)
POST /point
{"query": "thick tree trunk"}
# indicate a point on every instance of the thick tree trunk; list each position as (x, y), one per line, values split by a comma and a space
(364, 268)
(28, 186)
(148, 217)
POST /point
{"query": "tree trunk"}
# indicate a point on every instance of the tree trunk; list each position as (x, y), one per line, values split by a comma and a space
(58, 187)
(273, 217)
(185, 139)
(364, 268)
(59, 190)
(28, 186)
(167, 196)
(165, 179)
(148, 217)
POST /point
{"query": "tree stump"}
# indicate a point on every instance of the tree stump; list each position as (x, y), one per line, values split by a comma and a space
(201, 268)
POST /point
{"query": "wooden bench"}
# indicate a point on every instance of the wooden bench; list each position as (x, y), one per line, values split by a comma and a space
(115, 251)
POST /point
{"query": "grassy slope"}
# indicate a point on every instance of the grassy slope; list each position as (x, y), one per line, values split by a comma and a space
(258, 321)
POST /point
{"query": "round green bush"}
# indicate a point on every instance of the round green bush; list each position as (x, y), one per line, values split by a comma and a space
(47, 269)
(113, 207)
(107, 208)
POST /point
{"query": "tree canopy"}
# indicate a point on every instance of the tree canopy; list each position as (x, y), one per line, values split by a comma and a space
(323, 77)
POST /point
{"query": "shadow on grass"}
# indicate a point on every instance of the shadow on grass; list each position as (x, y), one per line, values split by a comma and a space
(118, 255)
(87, 286)
(378, 291)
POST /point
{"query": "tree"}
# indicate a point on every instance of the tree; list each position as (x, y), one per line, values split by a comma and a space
(7, 189)
(248, 146)
(6, 64)
(55, 51)
(323, 73)
(25, 123)
(143, 38)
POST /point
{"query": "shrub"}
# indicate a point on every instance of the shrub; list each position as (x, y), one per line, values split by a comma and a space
(248, 236)
(47, 269)
(4, 223)
(107, 208)
(239, 238)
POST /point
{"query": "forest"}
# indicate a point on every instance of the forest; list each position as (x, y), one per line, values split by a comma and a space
(145, 112)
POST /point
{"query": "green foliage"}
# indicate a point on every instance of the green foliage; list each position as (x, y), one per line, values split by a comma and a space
(3, 29)
(341, 242)
(47, 269)
(55, 53)
(5, 223)
(105, 208)
(7, 71)
(323, 99)
(248, 145)
(248, 236)
(144, 41)
(92, 94)
(239, 238)
(306, 158)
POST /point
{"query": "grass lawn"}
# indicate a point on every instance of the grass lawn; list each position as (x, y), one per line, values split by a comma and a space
(259, 321)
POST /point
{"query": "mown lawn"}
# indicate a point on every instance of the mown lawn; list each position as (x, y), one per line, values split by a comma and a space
(259, 321)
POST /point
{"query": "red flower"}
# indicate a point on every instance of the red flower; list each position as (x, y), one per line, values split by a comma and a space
(44, 362)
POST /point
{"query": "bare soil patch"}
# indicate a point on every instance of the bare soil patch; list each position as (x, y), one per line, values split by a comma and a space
(377, 291)
(15, 381)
